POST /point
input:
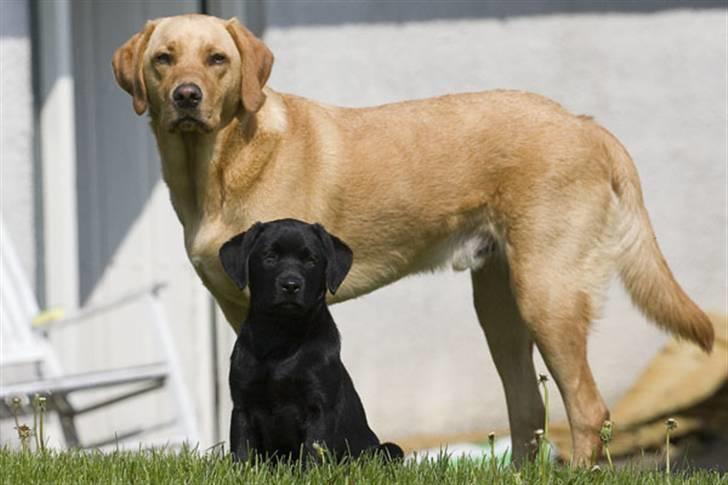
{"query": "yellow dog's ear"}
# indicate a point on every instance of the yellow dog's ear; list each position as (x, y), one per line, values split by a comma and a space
(256, 61)
(128, 66)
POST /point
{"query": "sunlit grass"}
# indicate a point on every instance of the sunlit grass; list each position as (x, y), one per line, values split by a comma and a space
(191, 466)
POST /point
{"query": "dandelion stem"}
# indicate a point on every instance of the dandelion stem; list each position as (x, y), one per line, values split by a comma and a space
(543, 379)
(41, 412)
(35, 422)
(544, 444)
(670, 425)
(605, 435)
(15, 408)
(540, 454)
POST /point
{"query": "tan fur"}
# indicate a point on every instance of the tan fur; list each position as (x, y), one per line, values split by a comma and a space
(417, 186)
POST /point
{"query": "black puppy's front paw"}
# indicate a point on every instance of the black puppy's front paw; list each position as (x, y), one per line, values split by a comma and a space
(239, 456)
(390, 451)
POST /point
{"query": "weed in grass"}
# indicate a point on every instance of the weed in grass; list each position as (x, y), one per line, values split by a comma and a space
(26, 434)
(321, 451)
(36, 435)
(543, 443)
(15, 406)
(39, 409)
(542, 452)
(517, 478)
(670, 425)
(542, 380)
(491, 443)
(23, 430)
(605, 435)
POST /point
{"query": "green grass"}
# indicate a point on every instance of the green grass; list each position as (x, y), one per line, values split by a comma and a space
(189, 466)
(36, 464)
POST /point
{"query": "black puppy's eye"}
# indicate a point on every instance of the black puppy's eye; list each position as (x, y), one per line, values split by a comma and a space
(270, 258)
(310, 262)
(163, 58)
(217, 59)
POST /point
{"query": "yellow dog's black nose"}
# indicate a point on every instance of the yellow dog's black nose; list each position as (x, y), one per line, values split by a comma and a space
(187, 95)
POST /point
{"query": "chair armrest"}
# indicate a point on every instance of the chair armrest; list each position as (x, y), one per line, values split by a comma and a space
(45, 321)
(48, 316)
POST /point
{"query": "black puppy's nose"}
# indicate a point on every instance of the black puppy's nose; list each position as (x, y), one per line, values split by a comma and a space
(187, 95)
(290, 286)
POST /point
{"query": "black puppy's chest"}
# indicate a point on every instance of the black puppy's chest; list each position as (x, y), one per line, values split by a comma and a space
(278, 397)
(267, 385)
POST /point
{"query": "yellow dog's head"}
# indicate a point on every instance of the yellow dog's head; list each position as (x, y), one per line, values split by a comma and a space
(193, 72)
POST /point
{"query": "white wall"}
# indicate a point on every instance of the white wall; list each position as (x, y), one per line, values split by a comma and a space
(16, 131)
(656, 80)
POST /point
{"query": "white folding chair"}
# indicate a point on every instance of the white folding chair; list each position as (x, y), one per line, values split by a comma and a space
(24, 345)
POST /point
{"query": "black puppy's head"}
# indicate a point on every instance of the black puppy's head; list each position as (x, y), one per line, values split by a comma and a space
(288, 264)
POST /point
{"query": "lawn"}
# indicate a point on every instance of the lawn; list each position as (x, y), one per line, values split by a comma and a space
(189, 466)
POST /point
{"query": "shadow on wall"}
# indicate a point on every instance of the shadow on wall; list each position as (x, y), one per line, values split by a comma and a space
(117, 161)
(10, 12)
(284, 13)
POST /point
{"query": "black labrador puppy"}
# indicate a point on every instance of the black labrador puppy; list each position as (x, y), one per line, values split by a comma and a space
(292, 396)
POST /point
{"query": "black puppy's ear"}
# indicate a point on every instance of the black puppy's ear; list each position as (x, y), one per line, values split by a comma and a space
(338, 258)
(234, 254)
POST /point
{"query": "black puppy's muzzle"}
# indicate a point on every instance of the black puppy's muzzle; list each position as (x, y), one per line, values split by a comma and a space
(187, 96)
(290, 285)
(289, 293)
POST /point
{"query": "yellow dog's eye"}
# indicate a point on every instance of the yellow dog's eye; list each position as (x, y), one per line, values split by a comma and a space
(163, 58)
(217, 59)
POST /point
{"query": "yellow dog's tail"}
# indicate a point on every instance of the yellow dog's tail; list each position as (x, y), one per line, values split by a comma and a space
(642, 266)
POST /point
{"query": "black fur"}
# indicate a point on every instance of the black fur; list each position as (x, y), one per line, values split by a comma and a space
(292, 395)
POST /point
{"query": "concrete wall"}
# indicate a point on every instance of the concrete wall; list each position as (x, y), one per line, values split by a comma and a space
(656, 79)
(16, 131)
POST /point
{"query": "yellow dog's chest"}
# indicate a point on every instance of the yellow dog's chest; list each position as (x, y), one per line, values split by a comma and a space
(203, 245)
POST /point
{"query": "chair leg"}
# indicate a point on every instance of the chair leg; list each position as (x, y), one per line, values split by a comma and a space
(177, 385)
(67, 416)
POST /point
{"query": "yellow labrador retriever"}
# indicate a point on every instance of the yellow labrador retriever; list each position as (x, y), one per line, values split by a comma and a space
(542, 206)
